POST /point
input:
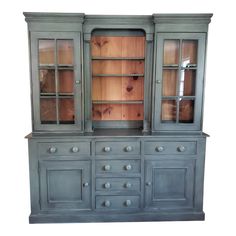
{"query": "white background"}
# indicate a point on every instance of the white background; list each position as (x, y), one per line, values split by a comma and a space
(219, 118)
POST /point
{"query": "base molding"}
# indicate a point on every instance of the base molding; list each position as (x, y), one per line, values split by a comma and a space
(131, 217)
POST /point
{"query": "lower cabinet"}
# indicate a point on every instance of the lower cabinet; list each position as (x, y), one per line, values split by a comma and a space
(65, 185)
(150, 185)
(169, 184)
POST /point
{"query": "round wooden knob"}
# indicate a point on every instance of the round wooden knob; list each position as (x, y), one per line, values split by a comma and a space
(128, 149)
(128, 167)
(74, 149)
(107, 149)
(159, 148)
(107, 167)
(181, 148)
(52, 149)
(107, 185)
(107, 203)
(128, 203)
(128, 185)
(86, 184)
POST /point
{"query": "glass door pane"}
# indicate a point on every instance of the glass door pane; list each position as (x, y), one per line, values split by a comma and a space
(171, 52)
(46, 51)
(179, 80)
(56, 77)
(48, 114)
(169, 83)
(65, 51)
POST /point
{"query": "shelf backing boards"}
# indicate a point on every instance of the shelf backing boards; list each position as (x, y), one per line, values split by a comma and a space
(118, 65)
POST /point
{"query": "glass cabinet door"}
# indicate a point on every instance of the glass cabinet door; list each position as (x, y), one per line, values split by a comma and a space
(56, 81)
(179, 81)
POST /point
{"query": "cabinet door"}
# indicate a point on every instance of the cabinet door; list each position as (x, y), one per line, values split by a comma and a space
(64, 185)
(179, 81)
(56, 80)
(169, 184)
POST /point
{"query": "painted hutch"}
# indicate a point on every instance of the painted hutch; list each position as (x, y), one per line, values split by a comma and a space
(117, 107)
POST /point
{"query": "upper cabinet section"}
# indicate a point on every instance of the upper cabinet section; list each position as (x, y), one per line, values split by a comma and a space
(179, 65)
(56, 71)
(99, 71)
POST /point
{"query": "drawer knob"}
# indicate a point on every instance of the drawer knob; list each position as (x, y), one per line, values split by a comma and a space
(148, 184)
(52, 149)
(159, 148)
(107, 149)
(107, 185)
(107, 167)
(128, 149)
(74, 149)
(181, 148)
(128, 185)
(86, 184)
(107, 203)
(128, 167)
(128, 203)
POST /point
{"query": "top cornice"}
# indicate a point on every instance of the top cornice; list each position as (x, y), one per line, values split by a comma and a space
(54, 17)
(204, 18)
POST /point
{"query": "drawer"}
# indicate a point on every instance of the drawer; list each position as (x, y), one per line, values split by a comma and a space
(169, 147)
(118, 184)
(117, 202)
(117, 147)
(117, 166)
(64, 148)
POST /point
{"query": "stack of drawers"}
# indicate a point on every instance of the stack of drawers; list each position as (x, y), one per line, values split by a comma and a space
(118, 175)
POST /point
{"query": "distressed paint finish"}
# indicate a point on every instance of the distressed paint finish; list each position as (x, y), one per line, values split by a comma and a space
(155, 173)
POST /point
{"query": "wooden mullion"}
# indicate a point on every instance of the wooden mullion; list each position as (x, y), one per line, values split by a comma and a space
(56, 82)
(178, 81)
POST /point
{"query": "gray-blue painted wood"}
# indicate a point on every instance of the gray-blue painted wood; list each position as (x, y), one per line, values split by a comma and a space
(118, 172)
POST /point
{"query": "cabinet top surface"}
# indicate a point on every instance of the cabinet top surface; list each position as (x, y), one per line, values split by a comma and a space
(122, 133)
(41, 16)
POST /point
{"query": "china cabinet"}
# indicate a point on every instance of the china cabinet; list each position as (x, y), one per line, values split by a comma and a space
(117, 107)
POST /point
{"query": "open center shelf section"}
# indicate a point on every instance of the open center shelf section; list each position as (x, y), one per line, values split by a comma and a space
(118, 63)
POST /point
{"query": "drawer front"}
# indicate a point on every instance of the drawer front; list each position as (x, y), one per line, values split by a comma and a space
(118, 184)
(64, 148)
(169, 147)
(117, 166)
(117, 202)
(116, 148)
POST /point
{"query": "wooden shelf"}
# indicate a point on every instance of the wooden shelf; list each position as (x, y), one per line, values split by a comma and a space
(117, 102)
(118, 75)
(176, 97)
(59, 66)
(118, 58)
(49, 95)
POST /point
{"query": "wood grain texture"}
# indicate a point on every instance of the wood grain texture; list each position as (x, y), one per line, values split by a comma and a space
(117, 111)
(117, 88)
(107, 46)
(117, 67)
